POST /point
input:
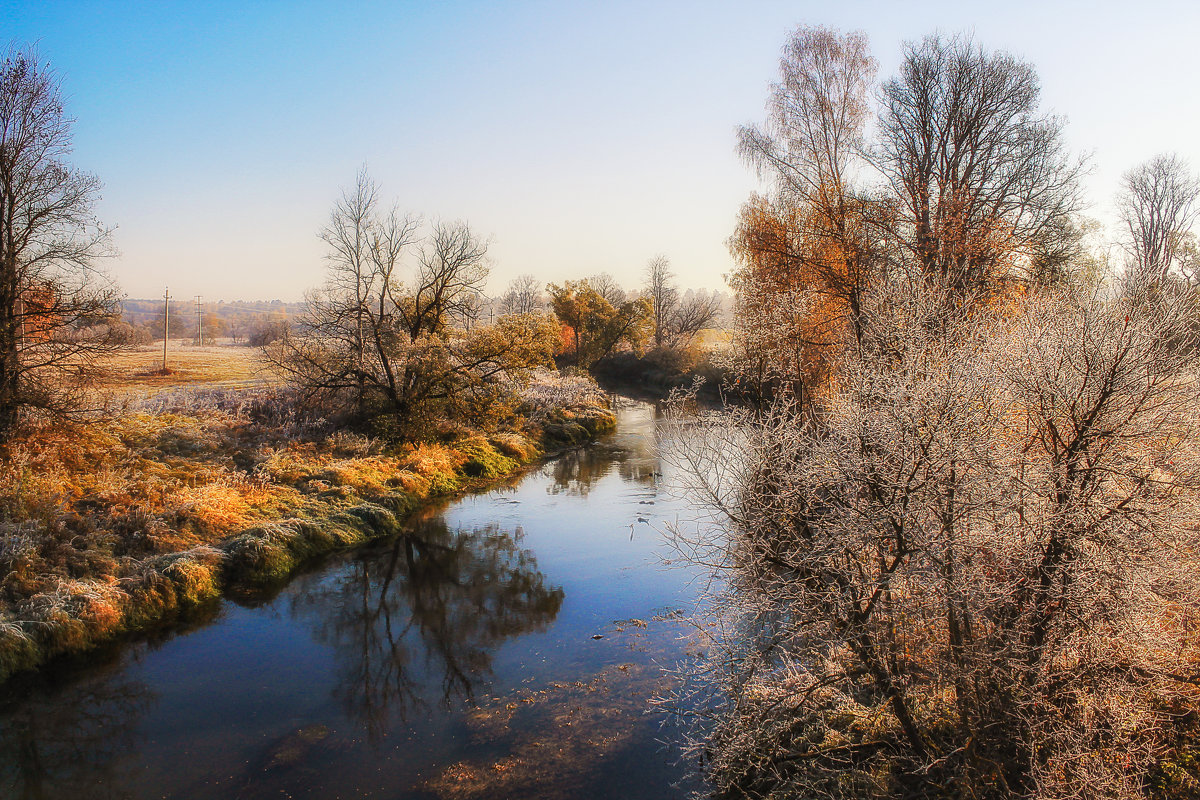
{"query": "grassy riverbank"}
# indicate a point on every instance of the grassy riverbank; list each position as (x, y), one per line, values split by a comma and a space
(190, 493)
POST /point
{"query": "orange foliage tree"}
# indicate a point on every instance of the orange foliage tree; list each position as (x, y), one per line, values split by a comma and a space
(597, 325)
(801, 276)
(804, 253)
(975, 195)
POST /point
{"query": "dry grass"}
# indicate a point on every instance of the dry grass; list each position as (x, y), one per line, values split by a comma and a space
(214, 366)
(195, 489)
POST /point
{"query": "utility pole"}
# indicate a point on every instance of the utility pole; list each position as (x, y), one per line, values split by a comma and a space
(166, 323)
(199, 324)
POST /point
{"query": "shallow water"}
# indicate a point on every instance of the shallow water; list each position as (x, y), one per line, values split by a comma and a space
(460, 660)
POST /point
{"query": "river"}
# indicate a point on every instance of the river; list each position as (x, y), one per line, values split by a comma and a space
(505, 646)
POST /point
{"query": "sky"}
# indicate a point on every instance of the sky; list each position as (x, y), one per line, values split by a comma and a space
(579, 137)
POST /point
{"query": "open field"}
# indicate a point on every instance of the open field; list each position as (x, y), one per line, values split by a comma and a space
(211, 366)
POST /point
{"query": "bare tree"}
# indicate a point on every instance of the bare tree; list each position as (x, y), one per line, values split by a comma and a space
(54, 302)
(470, 312)
(696, 311)
(524, 296)
(980, 176)
(817, 113)
(677, 318)
(453, 270)
(352, 313)
(608, 288)
(401, 351)
(351, 278)
(661, 289)
(1158, 207)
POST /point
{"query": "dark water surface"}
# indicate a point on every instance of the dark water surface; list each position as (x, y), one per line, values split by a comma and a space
(456, 661)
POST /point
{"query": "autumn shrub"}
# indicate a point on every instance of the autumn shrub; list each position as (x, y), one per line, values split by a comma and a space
(972, 575)
(482, 460)
(520, 448)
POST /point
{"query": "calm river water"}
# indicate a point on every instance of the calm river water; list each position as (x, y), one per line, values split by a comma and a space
(460, 660)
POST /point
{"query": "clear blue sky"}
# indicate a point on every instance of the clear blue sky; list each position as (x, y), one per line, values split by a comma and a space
(582, 137)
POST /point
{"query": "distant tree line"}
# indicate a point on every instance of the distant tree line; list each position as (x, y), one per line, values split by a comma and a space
(401, 336)
(248, 322)
(260, 323)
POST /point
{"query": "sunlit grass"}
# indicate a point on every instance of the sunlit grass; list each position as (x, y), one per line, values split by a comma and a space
(226, 366)
(193, 489)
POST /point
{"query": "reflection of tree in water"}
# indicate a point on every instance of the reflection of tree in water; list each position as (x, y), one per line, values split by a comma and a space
(633, 451)
(67, 743)
(576, 471)
(435, 599)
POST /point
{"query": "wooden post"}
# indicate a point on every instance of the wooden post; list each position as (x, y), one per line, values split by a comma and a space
(166, 324)
(199, 323)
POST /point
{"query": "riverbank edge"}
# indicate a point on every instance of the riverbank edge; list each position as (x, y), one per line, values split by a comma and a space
(173, 586)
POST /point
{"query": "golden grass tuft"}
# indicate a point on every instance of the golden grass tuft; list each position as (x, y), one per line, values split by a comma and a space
(432, 460)
(516, 446)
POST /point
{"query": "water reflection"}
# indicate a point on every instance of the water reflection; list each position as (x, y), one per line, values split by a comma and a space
(575, 472)
(402, 669)
(633, 454)
(61, 744)
(428, 610)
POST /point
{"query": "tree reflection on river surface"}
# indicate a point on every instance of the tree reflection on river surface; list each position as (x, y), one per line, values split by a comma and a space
(434, 600)
(66, 746)
(504, 645)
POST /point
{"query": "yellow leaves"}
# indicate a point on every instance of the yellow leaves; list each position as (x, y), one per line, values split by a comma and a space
(802, 269)
(222, 506)
(597, 326)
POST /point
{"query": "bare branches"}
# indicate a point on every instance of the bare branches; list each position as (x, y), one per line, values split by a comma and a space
(453, 270)
(607, 287)
(678, 318)
(524, 296)
(55, 305)
(661, 289)
(392, 353)
(956, 544)
(979, 174)
(364, 251)
(975, 569)
(817, 113)
(1158, 208)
